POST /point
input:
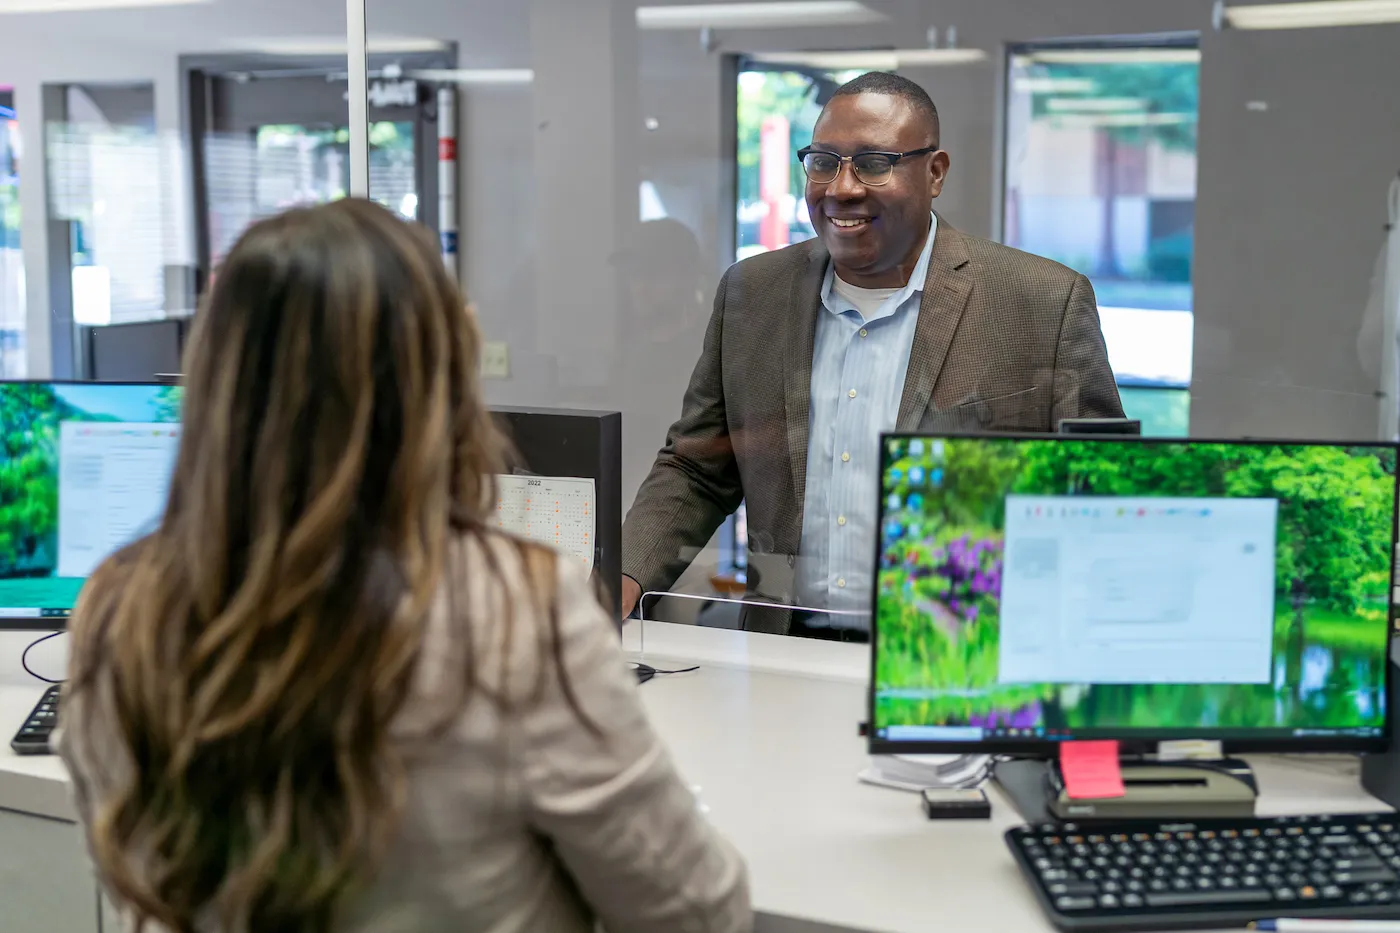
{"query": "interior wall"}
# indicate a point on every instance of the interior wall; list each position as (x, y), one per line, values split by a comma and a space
(1299, 144)
(1276, 312)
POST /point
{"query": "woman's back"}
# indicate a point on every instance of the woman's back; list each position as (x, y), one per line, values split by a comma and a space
(517, 816)
(323, 695)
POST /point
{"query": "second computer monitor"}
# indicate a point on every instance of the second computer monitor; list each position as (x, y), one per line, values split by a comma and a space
(85, 470)
(1036, 590)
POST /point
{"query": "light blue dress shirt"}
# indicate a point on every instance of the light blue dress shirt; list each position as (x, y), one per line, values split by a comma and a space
(858, 369)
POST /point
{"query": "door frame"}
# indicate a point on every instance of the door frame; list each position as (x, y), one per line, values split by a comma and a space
(199, 75)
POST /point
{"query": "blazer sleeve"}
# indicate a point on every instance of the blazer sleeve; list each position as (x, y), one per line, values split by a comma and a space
(694, 484)
(1084, 383)
(609, 799)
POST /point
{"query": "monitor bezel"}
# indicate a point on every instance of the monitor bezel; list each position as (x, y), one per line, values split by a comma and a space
(10, 623)
(1129, 746)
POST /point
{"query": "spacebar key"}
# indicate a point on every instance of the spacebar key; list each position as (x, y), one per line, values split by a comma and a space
(1215, 898)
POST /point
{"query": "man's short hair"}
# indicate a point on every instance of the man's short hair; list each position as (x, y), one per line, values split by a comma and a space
(892, 85)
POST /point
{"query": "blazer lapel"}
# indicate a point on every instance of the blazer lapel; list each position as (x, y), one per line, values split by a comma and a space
(945, 297)
(797, 371)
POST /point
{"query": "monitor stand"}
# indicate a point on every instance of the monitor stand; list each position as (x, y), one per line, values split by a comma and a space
(1166, 791)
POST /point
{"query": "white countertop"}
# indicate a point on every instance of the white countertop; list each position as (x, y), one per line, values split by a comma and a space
(767, 730)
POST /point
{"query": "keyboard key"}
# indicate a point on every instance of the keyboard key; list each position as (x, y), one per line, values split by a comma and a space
(1073, 889)
(1076, 903)
(1361, 877)
(1192, 898)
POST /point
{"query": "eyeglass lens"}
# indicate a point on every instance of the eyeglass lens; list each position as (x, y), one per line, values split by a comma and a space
(871, 168)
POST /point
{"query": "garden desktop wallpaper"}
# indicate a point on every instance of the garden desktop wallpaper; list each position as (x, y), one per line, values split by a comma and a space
(943, 521)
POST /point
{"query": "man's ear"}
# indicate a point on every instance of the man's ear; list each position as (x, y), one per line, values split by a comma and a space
(938, 171)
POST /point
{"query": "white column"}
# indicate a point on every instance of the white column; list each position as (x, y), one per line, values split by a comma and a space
(357, 61)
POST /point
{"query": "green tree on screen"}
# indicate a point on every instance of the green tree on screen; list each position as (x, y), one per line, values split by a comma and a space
(29, 414)
(167, 404)
(1334, 506)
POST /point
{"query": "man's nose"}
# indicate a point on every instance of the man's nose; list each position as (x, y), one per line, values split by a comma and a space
(846, 186)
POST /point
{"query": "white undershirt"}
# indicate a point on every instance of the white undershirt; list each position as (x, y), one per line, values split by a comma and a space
(866, 300)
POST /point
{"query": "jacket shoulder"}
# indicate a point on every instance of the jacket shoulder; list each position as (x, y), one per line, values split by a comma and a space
(772, 266)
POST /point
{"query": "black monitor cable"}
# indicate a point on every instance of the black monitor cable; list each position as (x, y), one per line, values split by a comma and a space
(24, 658)
(645, 672)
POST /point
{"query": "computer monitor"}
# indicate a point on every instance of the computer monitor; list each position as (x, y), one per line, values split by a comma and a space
(84, 470)
(1034, 590)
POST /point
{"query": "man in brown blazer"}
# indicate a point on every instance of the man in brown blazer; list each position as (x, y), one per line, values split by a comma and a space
(889, 320)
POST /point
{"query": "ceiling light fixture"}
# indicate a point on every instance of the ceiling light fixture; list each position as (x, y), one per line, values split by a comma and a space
(1054, 86)
(331, 45)
(1313, 14)
(1096, 104)
(1123, 119)
(71, 6)
(1124, 56)
(475, 75)
(871, 59)
(757, 15)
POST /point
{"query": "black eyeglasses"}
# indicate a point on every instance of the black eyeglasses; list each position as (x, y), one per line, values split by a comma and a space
(871, 168)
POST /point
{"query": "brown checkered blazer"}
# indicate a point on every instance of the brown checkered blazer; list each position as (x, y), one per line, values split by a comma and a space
(1006, 341)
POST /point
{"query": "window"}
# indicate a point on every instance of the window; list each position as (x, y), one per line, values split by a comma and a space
(777, 110)
(104, 163)
(1101, 176)
(776, 113)
(287, 165)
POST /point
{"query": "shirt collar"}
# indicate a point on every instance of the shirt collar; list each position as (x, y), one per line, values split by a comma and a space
(915, 286)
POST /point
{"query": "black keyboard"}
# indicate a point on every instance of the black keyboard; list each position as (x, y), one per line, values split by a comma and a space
(1211, 873)
(33, 736)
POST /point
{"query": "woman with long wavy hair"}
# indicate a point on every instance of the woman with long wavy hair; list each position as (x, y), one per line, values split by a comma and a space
(325, 695)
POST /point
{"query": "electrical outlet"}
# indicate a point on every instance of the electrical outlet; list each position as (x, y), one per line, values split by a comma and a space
(495, 361)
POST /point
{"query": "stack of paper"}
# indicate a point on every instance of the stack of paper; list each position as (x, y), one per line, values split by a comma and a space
(915, 772)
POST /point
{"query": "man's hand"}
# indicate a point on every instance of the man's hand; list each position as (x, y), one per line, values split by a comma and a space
(631, 592)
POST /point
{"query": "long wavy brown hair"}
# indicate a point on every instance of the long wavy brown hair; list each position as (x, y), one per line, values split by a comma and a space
(258, 645)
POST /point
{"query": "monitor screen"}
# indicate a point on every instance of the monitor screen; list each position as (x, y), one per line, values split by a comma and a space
(1034, 590)
(85, 470)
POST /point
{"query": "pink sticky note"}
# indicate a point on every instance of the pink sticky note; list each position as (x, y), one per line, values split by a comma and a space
(1091, 769)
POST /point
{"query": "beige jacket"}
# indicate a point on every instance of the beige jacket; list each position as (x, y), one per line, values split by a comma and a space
(524, 821)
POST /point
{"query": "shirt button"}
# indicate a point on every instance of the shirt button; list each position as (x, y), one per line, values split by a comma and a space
(841, 521)
(846, 458)
(841, 583)
(864, 332)
(852, 393)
